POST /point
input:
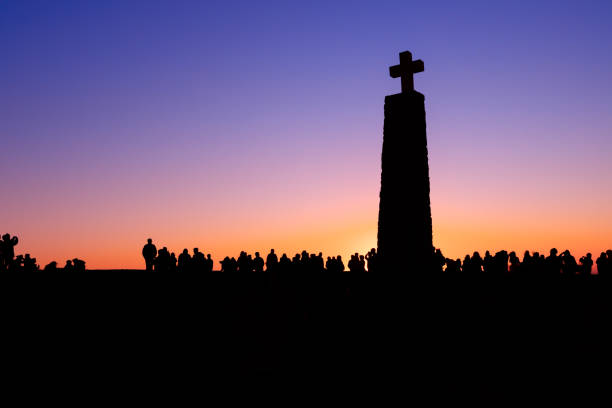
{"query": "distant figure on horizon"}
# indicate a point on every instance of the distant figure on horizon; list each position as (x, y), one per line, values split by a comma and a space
(7, 251)
(149, 252)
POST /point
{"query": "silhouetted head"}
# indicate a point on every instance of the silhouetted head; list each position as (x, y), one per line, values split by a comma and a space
(256, 254)
(272, 251)
(185, 251)
(150, 241)
(6, 237)
(196, 250)
(553, 252)
(589, 255)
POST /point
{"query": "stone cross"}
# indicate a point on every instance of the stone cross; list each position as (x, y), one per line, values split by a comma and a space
(406, 69)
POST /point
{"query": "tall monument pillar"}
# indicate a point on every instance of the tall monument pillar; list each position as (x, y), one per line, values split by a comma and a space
(404, 216)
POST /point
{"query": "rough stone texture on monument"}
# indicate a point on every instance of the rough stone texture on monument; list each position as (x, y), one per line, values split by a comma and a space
(404, 219)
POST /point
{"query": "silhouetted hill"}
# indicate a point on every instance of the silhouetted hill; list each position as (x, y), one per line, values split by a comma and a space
(326, 325)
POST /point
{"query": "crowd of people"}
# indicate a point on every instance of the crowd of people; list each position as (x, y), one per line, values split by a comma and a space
(501, 262)
(25, 263)
(165, 261)
(531, 264)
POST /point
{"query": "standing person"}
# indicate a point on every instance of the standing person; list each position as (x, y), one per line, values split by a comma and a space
(602, 265)
(7, 250)
(209, 263)
(258, 263)
(271, 261)
(586, 264)
(184, 261)
(149, 252)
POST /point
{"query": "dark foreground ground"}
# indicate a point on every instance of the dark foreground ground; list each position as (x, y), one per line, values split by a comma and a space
(492, 335)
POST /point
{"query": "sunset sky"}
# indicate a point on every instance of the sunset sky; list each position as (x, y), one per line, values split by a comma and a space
(230, 125)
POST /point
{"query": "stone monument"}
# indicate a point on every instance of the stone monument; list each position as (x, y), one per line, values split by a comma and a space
(404, 216)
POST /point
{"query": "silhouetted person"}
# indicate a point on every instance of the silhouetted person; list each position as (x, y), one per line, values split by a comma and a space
(68, 267)
(586, 264)
(569, 266)
(453, 266)
(353, 263)
(244, 263)
(258, 263)
(500, 262)
(487, 263)
(602, 264)
(173, 262)
(371, 258)
(553, 263)
(29, 264)
(225, 264)
(51, 267)
(528, 264)
(209, 263)
(7, 251)
(284, 264)
(163, 261)
(149, 252)
(198, 261)
(271, 261)
(467, 264)
(477, 262)
(184, 261)
(79, 265)
(320, 264)
(515, 263)
(340, 264)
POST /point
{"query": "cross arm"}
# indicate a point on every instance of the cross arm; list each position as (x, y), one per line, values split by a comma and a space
(396, 71)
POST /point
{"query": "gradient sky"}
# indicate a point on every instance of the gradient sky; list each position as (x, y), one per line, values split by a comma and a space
(236, 125)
